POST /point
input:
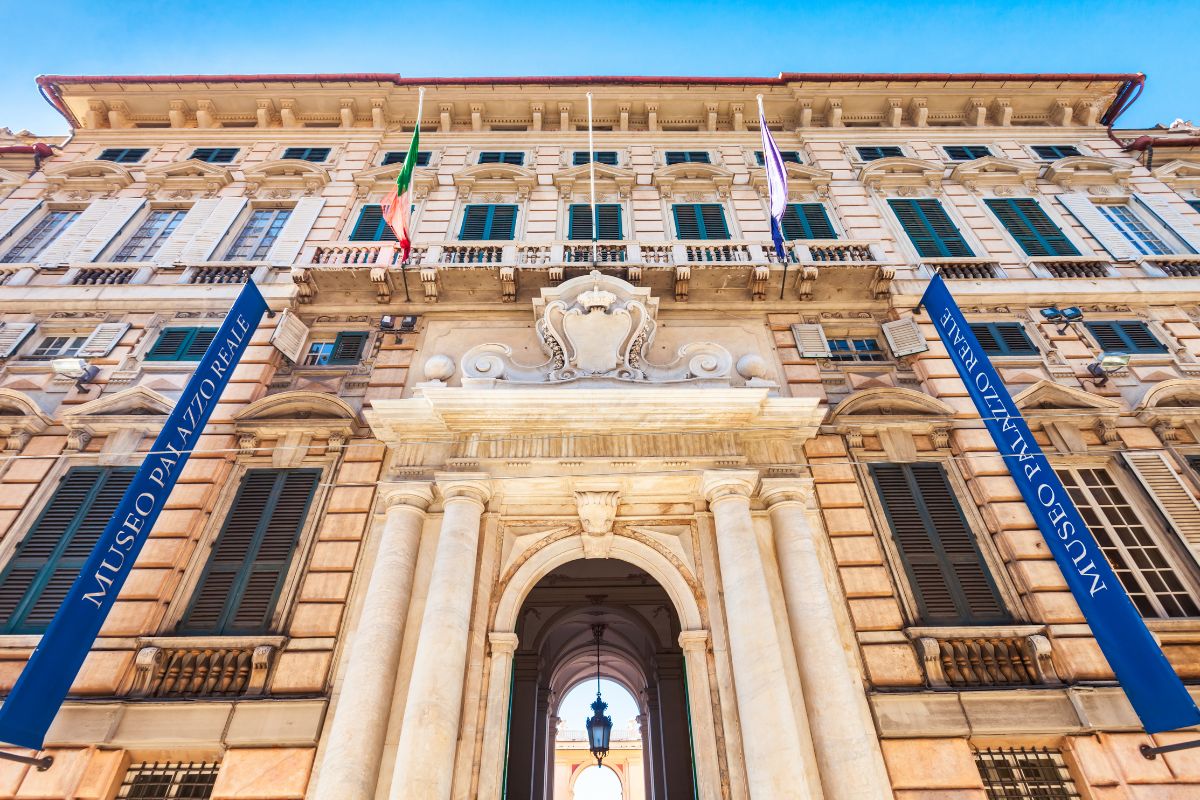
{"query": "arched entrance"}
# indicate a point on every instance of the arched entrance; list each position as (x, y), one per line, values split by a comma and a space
(640, 651)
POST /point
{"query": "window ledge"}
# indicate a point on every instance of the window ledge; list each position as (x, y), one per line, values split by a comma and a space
(20, 641)
(967, 631)
(1175, 631)
(178, 642)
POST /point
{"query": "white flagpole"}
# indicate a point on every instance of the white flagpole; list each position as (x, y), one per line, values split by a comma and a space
(762, 123)
(592, 179)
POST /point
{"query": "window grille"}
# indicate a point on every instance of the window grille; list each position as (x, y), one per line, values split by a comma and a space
(169, 781)
(1053, 152)
(1025, 773)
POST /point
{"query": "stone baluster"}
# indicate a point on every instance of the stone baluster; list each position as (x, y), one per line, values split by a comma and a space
(780, 761)
(843, 731)
(429, 731)
(350, 765)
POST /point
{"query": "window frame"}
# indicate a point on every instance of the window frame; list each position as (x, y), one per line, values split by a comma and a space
(462, 222)
(383, 162)
(1064, 226)
(141, 159)
(504, 157)
(856, 155)
(334, 338)
(1146, 219)
(1080, 150)
(884, 355)
(233, 235)
(29, 227)
(687, 157)
(674, 220)
(153, 244)
(991, 151)
(328, 159)
(70, 352)
(1132, 349)
(910, 247)
(234, 152)
(181, 350)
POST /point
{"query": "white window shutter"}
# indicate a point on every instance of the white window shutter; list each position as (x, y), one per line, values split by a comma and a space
(59, 251)
(1165, 210)
(904, 337)
(15, 214)
(212, 231)
(1166, 488)
(95, 240)
(191, 224)
(103, 340)
(289, 336)
(11, 336)
(295, 231)
(1084, 210)
(810, 340)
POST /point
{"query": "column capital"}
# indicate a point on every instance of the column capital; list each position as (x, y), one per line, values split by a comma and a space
(503, 642)
(411, 494)
(722, 484)
(694, 641)
(471, 486)
(786, 491)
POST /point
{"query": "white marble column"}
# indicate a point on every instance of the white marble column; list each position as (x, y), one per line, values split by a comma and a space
(350, 765)
(843, 730)
(495, 735)
(780, 761)
(704, 729)
(429, 732)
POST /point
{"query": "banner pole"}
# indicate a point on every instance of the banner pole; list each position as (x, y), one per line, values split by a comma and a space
(44, 763)
(1150, 753)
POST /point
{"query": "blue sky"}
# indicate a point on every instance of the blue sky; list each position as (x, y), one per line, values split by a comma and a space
(627, 37)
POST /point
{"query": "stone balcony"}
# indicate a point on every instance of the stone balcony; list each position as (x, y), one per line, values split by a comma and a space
(734, 269)
(198, 667)
(985, 657)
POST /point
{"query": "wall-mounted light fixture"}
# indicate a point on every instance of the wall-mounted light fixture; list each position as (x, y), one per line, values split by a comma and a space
(79, 370)
(1108, 364)
(1063, 316)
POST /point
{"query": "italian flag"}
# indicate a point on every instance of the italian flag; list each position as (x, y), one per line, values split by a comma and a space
(397, 209)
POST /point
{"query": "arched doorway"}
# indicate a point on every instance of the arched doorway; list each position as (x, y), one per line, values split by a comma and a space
(597, 783)
(639, 651)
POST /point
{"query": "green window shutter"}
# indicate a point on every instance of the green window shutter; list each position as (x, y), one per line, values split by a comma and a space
(399, 156)
(313, 154)
(242, 580)
(516, 158)
(687, 221)
(1053, 152)
(503, 222)
(712, 219)
(1195, 204)
(371, 226)
(945, 568)
(1032, 227)
(1125, 336)
(807, 221)
(488, 222)
(474, 225)
(215, 155)
(700, 221)
(348, 347)
(181, 344)
(579, 222)
(874, 152)
(967, 152)
(581, 157)
(46, 563)
(194, 350)
(123, 155)
(608, 226)
(930, 228)
(1003, 338)
(687, 157)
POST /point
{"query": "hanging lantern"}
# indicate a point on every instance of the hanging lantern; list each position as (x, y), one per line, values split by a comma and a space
(599, 725)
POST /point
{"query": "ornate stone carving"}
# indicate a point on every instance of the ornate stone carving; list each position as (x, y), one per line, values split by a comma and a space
(597, 328)
(597, 510)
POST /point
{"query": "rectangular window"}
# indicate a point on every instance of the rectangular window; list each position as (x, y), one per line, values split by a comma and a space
(371, 226)
(313, 154)
(398, 157)
(581, 157)
(1024, 773)
(1053, 152)
(170, 781)
(1003, 339)
(215, 155)
(608, 222)
(792, 156)
(945, 568)
(1146, 570)
(966, 152)
(700, 221)
(1125, 336)
(243, 578)
(855, 350)
(47, 229)
(155, 229)
(1031, 227)
(123, 155)
(35, 582)
(56, 347)
(1134, 229)
(930, 228)
(516, 158)
(807, 221)
(488, 222)
(873, 152)
(181, 344)
(345, 349)
(259, 233)
(688, 157)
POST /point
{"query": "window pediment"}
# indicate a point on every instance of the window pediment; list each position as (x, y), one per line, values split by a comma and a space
(20, 418)
(993, 171)
(313, 413)
(1076, 171)
(124, 417)
(802, 180)
(1065, 413)
(683, 178)
(377, 179)
(882, 405)
(8, 181)
(1171, 404)
(189, 176)
(105, 177)
(285, 175)
(486, 178)
(567, 180)
(1181, 173)
(898, 172)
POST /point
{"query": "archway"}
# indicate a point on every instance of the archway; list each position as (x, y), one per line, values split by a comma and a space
(639, 651)
(597, 783)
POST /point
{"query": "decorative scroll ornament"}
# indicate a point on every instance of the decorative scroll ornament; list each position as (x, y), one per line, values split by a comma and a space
(597, 328)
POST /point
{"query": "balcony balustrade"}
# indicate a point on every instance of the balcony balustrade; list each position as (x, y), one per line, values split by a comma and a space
(198, 669)
(985, 657)
(1073, 267)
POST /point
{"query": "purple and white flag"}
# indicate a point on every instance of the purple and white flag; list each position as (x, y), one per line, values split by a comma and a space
(776, 183)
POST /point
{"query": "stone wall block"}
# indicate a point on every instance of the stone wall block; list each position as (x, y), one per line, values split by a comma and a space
(931, 764)
(264, 774)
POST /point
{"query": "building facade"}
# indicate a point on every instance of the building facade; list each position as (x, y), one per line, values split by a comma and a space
(425, 484)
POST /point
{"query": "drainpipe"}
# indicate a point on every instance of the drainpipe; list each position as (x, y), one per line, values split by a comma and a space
(1125, 98)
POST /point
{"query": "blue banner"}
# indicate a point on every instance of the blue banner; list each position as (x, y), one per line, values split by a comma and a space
(43, 685)
(1158, 696)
